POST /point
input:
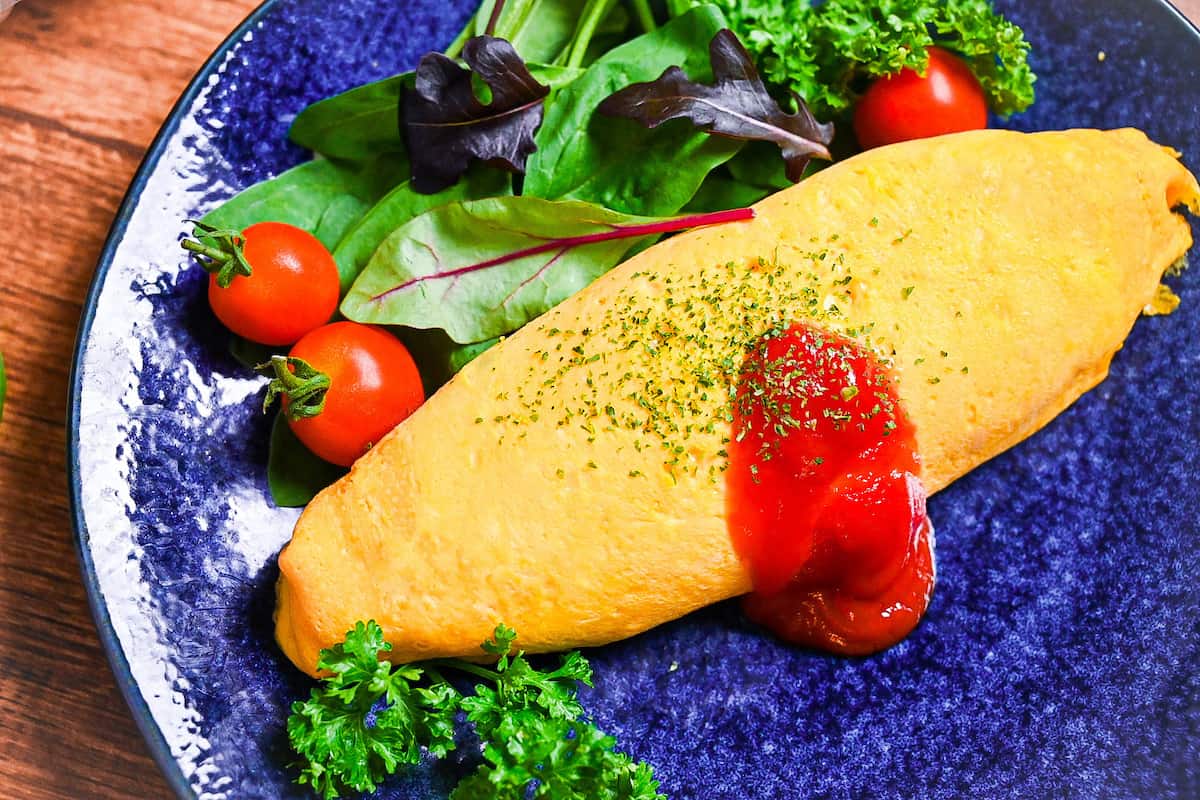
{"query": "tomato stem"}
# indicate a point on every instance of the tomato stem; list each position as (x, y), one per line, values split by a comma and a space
(301, 386)
(219, 252)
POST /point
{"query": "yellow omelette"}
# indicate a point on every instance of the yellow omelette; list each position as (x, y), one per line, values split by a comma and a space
(569, 481)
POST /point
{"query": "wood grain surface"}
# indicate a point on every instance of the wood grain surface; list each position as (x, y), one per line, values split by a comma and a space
(84, 86)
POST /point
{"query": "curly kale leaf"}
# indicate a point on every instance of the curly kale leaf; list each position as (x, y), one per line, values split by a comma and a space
(827, 53)
(549, 758)
(368, 718)
(519, 687)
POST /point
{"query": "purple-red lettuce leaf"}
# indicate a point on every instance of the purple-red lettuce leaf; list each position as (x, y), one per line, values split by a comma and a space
(447, 126)
(736, 106)
(483, 268)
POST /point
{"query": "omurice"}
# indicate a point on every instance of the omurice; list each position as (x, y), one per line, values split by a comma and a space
(587, 478)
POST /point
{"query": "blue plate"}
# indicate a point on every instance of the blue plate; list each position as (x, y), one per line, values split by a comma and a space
(1061, 655)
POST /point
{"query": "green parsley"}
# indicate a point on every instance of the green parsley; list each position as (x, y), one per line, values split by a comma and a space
(826, 52)
(369, 718)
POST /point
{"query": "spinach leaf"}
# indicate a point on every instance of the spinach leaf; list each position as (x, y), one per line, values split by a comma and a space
(464, 354)
(736, 106)
(250, 354)
(322, 197)
(341, 215)
(720, 192)
(483, 268)
(541, 30)
(585, 156)
(399, 206)
(755, 172)
(555, 77)
(294, 474)
(438, 357)
(363, 121)
(355, 124)
(759, 164)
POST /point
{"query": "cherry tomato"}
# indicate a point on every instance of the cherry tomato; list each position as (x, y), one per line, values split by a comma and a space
(907, 106)
(292, 288)
(373, 386)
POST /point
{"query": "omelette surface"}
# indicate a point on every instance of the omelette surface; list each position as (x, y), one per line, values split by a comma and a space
(570, 481)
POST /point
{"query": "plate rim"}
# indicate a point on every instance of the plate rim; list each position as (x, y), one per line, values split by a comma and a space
(114, 653)
(118, 663)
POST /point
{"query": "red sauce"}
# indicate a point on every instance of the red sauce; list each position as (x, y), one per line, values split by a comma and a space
(825, 505)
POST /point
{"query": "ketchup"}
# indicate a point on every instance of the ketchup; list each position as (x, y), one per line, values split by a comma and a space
(825, 506)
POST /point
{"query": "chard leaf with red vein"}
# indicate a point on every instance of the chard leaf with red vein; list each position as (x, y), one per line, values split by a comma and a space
(484, 268)
(447, 126)
(737, 106)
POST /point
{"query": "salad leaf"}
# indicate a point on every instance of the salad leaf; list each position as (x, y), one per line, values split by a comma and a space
(355, 248)
(759, 164)
(736, 106)
(464, 354)
(721, 192)
(585, 156)
(446, 126)
(369, 718)
(294, 474)
(483, 268)
(339, 217)
(361, 122)
(827, 52)
(755, 172)
(250, 354)
(540, 30)
(553, 30)
(320, 196)
(438, 357)
(355, 124)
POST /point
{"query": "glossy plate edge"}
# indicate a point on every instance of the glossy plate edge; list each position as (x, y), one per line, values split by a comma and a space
(151, 733)
(119, 664)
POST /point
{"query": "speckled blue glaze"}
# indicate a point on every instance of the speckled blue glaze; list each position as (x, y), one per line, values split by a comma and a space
(1060, 657)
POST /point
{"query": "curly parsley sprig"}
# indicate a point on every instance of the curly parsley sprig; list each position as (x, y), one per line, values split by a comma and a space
(369, 718)
(827, 52)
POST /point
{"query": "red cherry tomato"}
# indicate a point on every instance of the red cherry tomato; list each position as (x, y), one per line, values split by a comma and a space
(292, 288)
(907, 106)
(373, 386)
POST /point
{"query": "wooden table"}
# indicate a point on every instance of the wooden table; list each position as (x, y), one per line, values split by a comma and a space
(83, 88)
